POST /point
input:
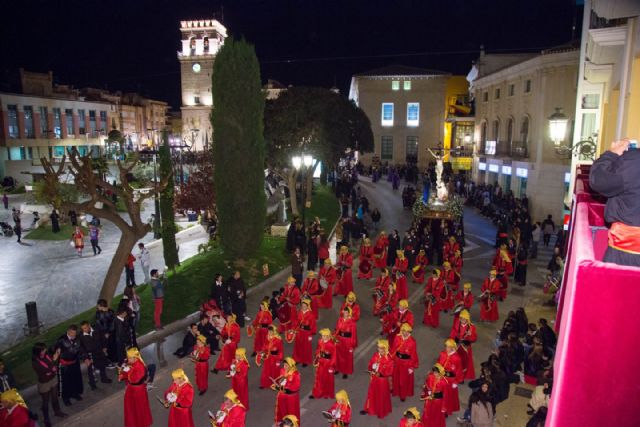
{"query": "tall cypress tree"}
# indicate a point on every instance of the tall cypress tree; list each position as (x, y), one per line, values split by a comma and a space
(238, 147)
(167, 212)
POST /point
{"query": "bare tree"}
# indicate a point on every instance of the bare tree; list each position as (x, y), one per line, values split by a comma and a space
(98, 201)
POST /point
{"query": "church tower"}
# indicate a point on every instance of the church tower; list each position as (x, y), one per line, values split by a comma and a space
(201, 40)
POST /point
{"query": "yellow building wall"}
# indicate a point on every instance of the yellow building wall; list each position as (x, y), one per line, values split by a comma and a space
(609, 117)
(631, 127)
(456, 85)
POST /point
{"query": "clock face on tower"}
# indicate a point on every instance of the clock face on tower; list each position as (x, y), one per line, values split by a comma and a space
(196, 68)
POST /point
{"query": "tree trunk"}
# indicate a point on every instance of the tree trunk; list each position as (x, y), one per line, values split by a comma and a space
(293, 194)
(128, 239)
(309, 178)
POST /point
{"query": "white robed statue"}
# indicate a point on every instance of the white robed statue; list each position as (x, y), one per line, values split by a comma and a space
(441, 194)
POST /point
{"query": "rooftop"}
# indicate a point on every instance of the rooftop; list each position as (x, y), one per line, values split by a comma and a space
(397, 70)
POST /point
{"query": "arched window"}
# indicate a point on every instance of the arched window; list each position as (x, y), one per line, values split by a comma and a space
(205, 44)
(496, 130)
(192, 45)
(509, 142)
(524, 137)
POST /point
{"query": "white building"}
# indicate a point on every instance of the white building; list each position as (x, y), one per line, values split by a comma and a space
(514, 97)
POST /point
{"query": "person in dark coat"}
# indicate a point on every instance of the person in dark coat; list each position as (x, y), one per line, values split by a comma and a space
(55, 221)
(521, 263)
(94, 346)
(206, 329)
(104, 324)
(7, 382)
(122, 335)
(394, 245)
(73, 217)
(71, 355)
(220, 293)
(238, 295)
(188, 342)
(312, 253)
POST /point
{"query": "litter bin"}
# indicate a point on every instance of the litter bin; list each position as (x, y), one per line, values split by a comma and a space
(33, 324)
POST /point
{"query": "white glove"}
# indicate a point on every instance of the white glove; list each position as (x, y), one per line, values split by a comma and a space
(331, 371)
(375, 366)
(455, 386)
(410, 371)
(126, 368)
(310, 338)
(172, 397)
(228, 341)
(350, 350)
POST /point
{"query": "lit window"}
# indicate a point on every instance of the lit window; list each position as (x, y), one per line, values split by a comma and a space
(413, 114)
(387, 114)
(407, 85)
(57, 123)
(395, 85)
(386, 148)
(28, 122)
(82, 123)
(44, 118)
(12, 117)
(490, 147)
(527, 86)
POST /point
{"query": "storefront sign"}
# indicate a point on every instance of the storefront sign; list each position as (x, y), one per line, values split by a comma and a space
(461, 163)
(482, 166)
(522, 172)
(506, 170)
(494, 168)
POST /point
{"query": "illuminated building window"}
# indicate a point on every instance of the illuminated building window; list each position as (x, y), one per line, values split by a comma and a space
(69, 117)
(28, 122)
(386, 148)
(82, 123)
(12, 117)
(407, 85)
(413, 114)
(57, 123)
(44, 117)
(387, 114)
(395, 85)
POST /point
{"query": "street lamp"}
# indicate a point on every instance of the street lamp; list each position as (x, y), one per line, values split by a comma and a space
(467, 138)
(586, 148)
(303, 162)
(558, 126)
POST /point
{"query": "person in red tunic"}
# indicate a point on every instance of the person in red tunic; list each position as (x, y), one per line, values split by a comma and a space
(270, 357)
(400, 315)
(463, 300)
(464, 333)
(230, 336)
(418, 271)
(200, 356)
(382, 284)
(260, 325)
(344, 273)
(380, 250)
(289, 300)
(503, 264)
(380, 369)
(366, 265)
(411, 418)
(324, 363)
(489, 298)
(289, 421)
(239, 374)
(232, 412)
(340, 411)
(450, 361)
(14, 412)
(456, 262)
(450, 285)
(400, 281)
(450, 248)
(405, 362)
(136, 401)
(434, 393)
(287, 385)
(311, 289)
(433, 291)
(305, 329)
(179, 399)
(402, 263)
(350, 301)
(345, 332)
(327, 281)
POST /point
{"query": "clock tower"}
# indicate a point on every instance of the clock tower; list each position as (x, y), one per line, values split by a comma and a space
(201, 40)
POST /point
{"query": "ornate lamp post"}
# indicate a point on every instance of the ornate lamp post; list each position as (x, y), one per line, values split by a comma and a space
(557, 132)
(303, 163)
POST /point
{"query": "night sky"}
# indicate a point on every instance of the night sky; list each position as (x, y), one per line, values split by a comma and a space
(131, 44)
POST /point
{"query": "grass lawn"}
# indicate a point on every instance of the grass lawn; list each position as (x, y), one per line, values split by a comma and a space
(45, 233)
(186, 289)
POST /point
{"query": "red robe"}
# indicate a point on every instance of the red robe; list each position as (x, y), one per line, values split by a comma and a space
(504, 269)
(231, 331)
(342, 414)
(405, 357)
(273, 350)
(382, 286)
(235, 416)
(455, 375)
(404, 423)
(328, 274)
(290, 298)
(240, 380)
(311, 287)
(345, 275)
(366, 265)
(303, 345)
(288, 401)
(433, 291)
(19, 417)
(380, 252)
(180, 411)
(465, 301)
(201, 355)
(489, 309)
(355, 315)
(435, 404)
(325, 358)
(379, 395)
(345, 333)
(449, 249)
(136, 401)
(419, 269)
(261, 329)
(451, 281)
(401, 265)
(465, 336)
(456, 264)
(401, 287)
(393, 322)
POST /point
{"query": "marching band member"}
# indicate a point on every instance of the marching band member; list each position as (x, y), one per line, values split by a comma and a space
(380, 368)
(261, 324)
(450, 361)
(380, 250)
(405, 362)
(325, 364)
(289, 301)
(344, 274)
(400, 282)
(232, 412)
(450, 248)
(200, 356)
(350, 302)
(434, 396)
(433, 299)
(327, 277)
(136, 401)
(382, 285)
(489, 298)
(464, 333)
(289, 421)
(503, 264)
(311, 289)
(451, 281)
(365, 265)
(402, 263)
(238, 373)
(463, 300)
(411, 418)
(341, 410)
(420, 268)
(230, 335)
(179, 399)
(270, 357)
(345, 332)
(456, 262)
(14, 411)
(305, 329)
(400, 315)
(287, 385)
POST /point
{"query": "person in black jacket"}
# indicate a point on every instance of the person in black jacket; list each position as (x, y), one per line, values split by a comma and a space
(7, 382)
(548, 336)
(206, 329)
(46, 369)
(188, 342)
(238, 295)
(394, 245)
(71, 355)
(122, 335)
(220, 293)
(104, 324)
(94, 346)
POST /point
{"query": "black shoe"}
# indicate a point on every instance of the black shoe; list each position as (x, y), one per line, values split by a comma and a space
(344, 376)
(202, 392)
(254, 354)
(215, 371)
(304, 365)
(311, 396)
(76, 397)
(363, 412)
(402, 399)
(66, 402)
